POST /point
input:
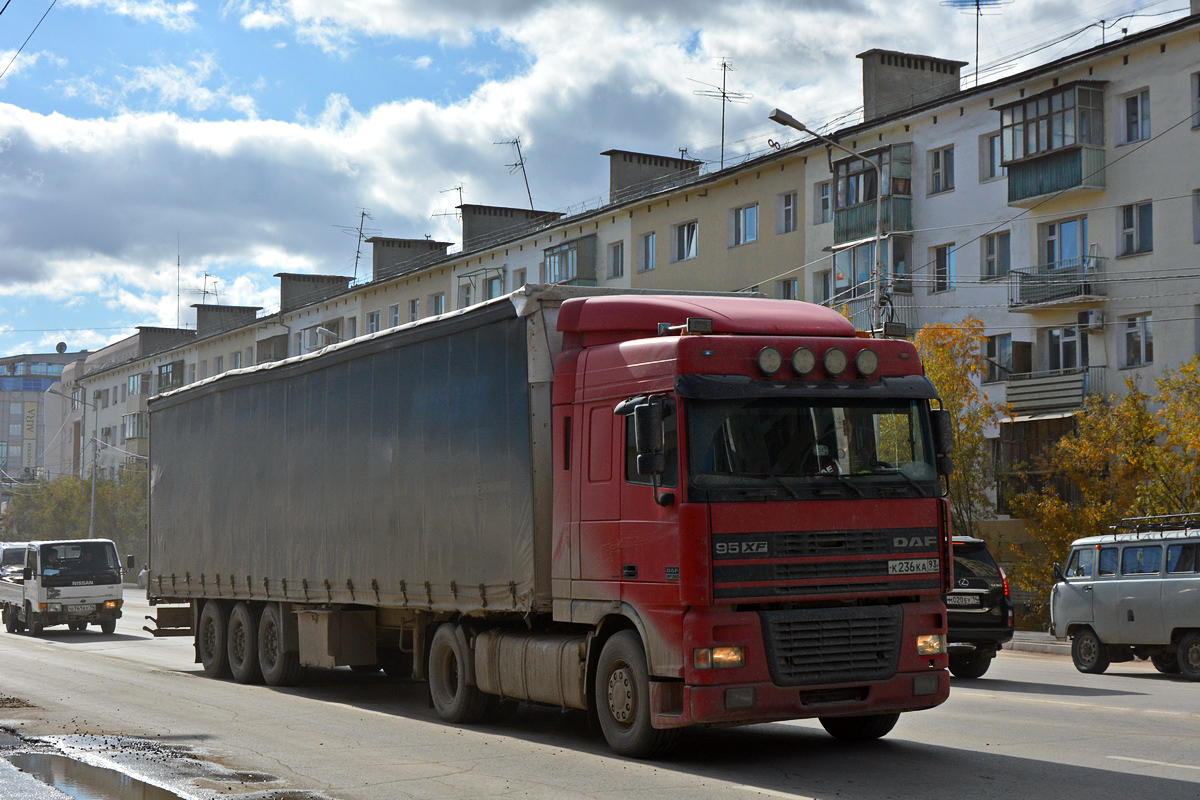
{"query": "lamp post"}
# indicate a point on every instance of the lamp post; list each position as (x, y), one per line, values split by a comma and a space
(95, 457)
(787, 120)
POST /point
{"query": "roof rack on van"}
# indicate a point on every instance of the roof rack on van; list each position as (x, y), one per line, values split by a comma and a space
(1162, 522)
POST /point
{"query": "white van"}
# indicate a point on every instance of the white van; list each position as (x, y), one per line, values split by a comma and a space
(1133, 593)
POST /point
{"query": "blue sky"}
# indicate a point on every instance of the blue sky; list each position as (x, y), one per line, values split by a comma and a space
(236, 137)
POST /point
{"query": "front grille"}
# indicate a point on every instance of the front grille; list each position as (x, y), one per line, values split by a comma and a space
(832, 645)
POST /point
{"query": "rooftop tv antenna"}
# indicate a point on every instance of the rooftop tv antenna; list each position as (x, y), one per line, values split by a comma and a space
(976, 7)
(519, 165)
(359, 233)
(204, 291)
(458, 187)
(725, 97)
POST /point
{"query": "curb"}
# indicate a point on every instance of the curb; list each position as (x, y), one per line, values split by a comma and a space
(1036, 642)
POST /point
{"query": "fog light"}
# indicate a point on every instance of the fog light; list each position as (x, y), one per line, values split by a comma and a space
(925, 685)
(718, 657)
(834, 361)
(931, 644)
(739, 698)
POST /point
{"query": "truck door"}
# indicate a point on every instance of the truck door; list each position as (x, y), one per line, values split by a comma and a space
(597, 557)
(1106, 596)
(649, 550)
(1071, 599)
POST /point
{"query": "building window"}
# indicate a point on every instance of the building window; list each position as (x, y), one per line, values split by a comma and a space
(787, 211)
(686, 241)
(990, 158)
(943, 268)
(744, 226)
(562, 263)
(1196, 216)
(1135, 117)
(464, 295)
(394, 315)
(941, 170)
(1196, 99)
(437, 303)
(823, 202)
(1061, 118)
(788, 290)
(191, 373)
(1139, 341)
(373, 318)
(235, 359)
(1064, 243)
(822, 287)
(134, 425)
(616, 259)
(1137, 229)
(996, 258)
(170, 376)
(1066, 349)
(218, 365)
(646, 255)
(414, 309)
(493, 287)
(999, 358)
(518, 278)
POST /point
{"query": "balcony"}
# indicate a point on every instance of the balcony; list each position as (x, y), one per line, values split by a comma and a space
(1075, 168)
(858, 221)
(1052, 392)
(858, 309)
(1076, 281)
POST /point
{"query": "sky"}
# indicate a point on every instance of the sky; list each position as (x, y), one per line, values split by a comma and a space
(157, 154)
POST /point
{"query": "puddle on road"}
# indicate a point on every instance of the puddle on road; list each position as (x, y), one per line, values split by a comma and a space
(85, 782)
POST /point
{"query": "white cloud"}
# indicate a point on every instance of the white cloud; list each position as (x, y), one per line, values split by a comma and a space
(171, 16)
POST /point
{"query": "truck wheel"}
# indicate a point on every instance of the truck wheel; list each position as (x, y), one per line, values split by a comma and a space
(970, 665)
(11, 623)
(242, 636)
(454, 699)
(31, 621)
(859, 729)
(1088, 652)
(107, 626)
(279, 667)
(1189, 656)
(211, 640)
(623, 699)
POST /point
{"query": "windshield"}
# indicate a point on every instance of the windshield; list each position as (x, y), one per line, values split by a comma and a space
(809, 448)
(79, 562)
(14, 557)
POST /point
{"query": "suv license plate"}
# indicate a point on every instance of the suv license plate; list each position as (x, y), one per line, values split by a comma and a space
(81, 609)
(962, 600)
(913, 566)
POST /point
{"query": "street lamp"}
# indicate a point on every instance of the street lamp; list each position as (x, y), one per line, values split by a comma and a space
(787, 120)
(95, 458)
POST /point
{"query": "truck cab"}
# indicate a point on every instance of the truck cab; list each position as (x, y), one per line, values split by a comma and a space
(72, 582)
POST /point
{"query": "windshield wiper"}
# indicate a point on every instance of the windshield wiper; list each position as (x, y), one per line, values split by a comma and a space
(842, 479)
(911, 482)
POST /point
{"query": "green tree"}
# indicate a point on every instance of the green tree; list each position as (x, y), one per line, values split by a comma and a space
(954, 361)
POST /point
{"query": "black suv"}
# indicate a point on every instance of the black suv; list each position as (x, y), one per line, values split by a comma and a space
(979, 610)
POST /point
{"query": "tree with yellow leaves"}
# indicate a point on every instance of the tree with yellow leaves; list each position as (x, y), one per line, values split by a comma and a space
(954, 361)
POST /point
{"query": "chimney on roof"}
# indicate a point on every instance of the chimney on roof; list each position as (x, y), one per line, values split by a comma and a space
(390, 256)
(894, 82)
(633, 174)
(210, 318)
(298, 290)
(482, 225)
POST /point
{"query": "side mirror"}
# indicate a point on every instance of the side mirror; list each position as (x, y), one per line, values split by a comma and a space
(130, 562)
(1058, 573)
(648, 437)
(943, 432)
(27, 574)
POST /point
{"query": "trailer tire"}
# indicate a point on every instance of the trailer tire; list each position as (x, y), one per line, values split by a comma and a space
(242, 636)
(211, 640)
(623, 699)
(860, 729)
(279, 667)
(454, 698)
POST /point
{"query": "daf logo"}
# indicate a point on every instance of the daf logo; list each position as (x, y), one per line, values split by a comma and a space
(914, 541)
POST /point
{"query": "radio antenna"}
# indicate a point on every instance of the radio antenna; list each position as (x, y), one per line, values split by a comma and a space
(976, 7)
(724, 95)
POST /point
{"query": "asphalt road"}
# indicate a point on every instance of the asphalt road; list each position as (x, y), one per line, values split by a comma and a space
(1032, 727)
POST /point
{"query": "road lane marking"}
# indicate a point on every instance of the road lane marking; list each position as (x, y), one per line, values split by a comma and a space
(1154, 763)
(1091, 707)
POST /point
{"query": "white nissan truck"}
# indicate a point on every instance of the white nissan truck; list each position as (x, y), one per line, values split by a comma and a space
(72, 582)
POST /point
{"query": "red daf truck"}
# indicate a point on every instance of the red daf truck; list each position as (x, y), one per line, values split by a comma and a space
(667, 509)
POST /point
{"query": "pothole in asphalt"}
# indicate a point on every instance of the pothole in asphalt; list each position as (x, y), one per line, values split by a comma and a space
(85, 782)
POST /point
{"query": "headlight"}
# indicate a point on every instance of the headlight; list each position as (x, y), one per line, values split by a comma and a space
(719, 657)
(804, 361)
(866, 362)
(835, 362)
(54, 608)
(769, 361)
(931, 644)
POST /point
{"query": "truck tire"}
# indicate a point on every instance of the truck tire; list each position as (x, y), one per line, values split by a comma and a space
(12, 622)
(454, 699)
(970, 665)
(107, 626)
(1189, 656)
(31, 621)
(1088, 652)
(211, 640)
(279, 667)
(242, 637)
(623, 699)
(859, 729)
(1166, 663)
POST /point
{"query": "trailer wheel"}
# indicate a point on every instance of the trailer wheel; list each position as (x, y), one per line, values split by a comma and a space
(211, 640)
(1089, 653)
(243, 645)
(1189, 655)
(859, 729)
(279, 667)
(454, 699)
(623, 699)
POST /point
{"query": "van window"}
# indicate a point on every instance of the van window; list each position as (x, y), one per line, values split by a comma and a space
(1141, 560)
(1080, 565)
(1108, 561)
(1181, 558)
